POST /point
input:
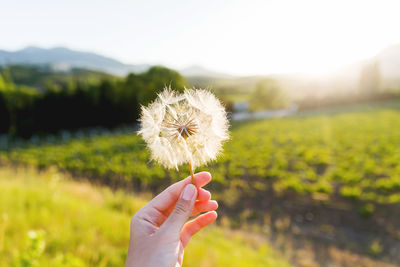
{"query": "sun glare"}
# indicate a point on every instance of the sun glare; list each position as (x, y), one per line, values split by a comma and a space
(239, 37)
(295, 36)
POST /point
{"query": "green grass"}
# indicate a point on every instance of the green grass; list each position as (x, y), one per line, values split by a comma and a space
(48, 220)
(352, 154)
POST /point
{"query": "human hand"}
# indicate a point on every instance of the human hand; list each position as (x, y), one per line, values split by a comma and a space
(159, 231)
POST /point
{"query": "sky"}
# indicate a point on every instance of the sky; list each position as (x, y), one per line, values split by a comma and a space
(238, 37)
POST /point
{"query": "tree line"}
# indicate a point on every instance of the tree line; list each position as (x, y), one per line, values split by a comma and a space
(75, 103)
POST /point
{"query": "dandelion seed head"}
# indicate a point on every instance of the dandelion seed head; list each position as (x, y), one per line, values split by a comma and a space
(179, 128)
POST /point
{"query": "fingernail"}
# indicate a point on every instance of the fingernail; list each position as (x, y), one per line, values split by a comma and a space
(188, 192)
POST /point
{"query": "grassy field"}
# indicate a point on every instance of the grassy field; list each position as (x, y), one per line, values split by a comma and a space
(49, 220)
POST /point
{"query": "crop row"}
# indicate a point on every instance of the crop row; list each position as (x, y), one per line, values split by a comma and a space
(355, 155)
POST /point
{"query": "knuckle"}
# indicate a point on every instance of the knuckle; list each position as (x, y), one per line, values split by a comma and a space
(182, 207)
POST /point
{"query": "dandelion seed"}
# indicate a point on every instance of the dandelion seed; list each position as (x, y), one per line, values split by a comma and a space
(186, 128)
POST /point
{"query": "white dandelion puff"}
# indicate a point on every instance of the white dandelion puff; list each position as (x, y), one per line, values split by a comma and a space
(186, 128)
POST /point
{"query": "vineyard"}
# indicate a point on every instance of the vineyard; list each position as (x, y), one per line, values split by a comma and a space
(353, 154)
(332, 174)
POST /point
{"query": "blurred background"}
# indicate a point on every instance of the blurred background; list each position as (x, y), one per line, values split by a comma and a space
(310, 177)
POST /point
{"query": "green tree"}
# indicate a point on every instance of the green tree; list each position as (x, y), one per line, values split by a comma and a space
(78, 99)
(155, 79)
(6, 79)
(2, 82)
(268, 95)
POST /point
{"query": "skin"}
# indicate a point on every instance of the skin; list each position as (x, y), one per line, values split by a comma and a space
(160, 231)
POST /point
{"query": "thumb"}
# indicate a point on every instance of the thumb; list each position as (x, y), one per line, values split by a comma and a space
(183, 208)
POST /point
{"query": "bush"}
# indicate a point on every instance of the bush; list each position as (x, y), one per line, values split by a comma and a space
(77, 103)
(268, 95)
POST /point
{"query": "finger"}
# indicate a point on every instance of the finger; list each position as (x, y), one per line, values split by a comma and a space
(195, 225)
(203, 195)
(204, 206)
(183, 208)
(170, 195)
(180, 255)
(159, 208)
(202, 178)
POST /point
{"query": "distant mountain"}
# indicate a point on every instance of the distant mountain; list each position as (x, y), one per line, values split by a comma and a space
(61, 58)
(199, 71)
(64, 59)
